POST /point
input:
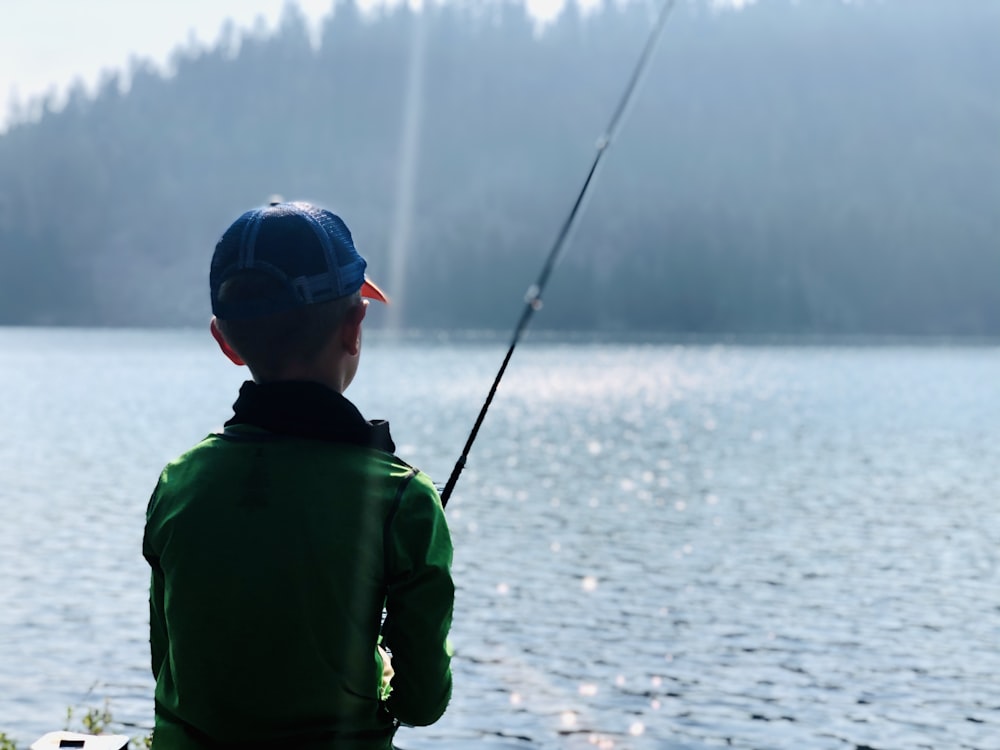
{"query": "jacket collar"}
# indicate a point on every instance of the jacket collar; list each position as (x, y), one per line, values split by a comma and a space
(308, 410)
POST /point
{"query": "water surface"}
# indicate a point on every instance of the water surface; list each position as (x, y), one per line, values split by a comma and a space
(657, 545)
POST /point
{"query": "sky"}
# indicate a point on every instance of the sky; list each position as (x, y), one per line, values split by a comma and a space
(45, 45)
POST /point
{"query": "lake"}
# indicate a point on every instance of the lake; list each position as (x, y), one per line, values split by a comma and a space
(658, 545)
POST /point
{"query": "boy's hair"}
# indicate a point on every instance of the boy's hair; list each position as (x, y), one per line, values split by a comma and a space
(269, 343)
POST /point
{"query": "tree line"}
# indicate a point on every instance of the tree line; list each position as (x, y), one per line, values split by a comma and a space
(813, 167)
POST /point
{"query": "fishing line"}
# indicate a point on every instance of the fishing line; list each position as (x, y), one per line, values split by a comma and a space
(533, 298)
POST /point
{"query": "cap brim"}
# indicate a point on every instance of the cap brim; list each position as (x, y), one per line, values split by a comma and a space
(371, 291)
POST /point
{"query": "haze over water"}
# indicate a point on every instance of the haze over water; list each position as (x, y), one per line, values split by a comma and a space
(657, 545)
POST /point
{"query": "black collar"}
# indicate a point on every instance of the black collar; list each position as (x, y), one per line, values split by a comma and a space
(308, 410)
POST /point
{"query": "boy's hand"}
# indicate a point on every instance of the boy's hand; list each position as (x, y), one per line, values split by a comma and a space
(387, 672)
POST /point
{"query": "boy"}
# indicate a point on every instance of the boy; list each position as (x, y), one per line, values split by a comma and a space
(277, 545)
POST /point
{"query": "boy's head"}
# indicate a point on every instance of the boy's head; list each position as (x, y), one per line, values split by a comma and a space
(286, 281)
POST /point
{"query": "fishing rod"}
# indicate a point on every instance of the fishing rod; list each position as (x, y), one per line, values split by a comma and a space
(533, 297)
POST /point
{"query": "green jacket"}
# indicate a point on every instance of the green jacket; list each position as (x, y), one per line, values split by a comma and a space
(276, 548)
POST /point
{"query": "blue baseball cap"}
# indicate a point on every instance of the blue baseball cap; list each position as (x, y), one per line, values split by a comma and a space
(307, 250)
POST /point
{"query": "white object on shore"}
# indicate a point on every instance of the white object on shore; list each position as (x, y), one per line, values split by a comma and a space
(58, 740)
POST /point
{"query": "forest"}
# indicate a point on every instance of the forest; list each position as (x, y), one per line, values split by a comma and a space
(801, 168)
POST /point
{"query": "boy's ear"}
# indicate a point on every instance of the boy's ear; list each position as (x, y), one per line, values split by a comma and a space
(223, 344)
(350, 329)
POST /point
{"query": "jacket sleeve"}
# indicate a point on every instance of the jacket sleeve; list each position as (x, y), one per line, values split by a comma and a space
(419, 604)
(158, 643)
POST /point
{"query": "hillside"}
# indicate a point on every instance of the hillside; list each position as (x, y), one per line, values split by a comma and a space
(811, 167)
